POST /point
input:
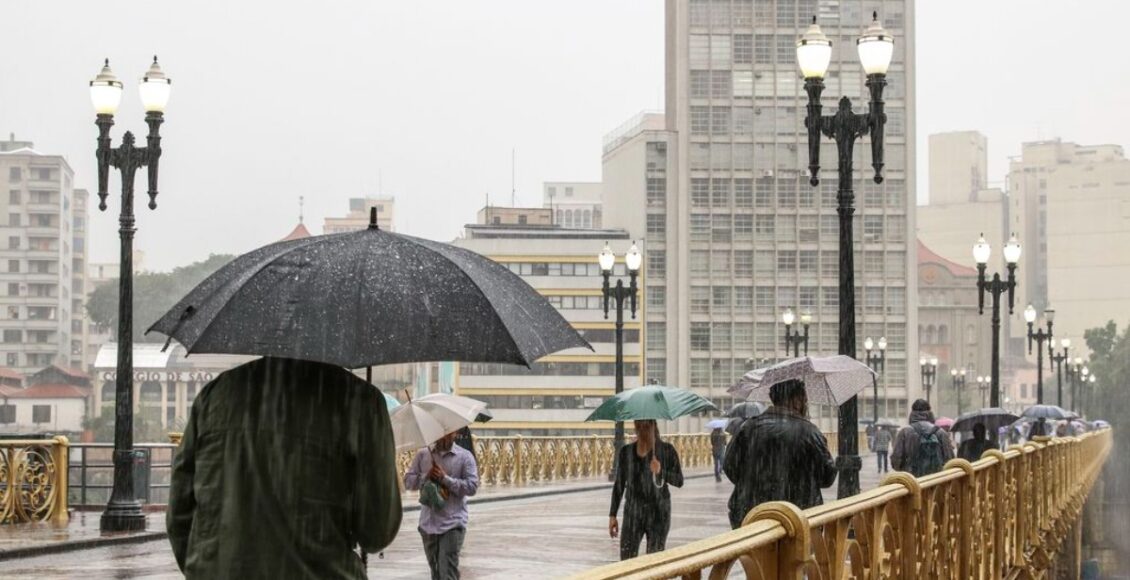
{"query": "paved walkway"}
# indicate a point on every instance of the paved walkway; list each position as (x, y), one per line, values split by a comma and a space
(532, 537)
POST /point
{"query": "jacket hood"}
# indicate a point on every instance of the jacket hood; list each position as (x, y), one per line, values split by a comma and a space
(916, 416)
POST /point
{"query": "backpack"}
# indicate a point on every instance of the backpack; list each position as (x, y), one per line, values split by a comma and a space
(928, 457)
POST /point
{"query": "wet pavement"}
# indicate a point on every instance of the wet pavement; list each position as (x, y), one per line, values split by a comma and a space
(534, 537)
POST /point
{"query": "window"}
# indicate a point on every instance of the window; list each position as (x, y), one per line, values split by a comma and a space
(700, 263)
(743, 227)
(700, 51)
(743, 299)
(720, 192)
(657, 370)
(13, 290)
(786, 49)
(41, 413)
(700, 192)
(766, 299)
(765, 226)
(13, 336)
(700, 299)
(656, 191)
(763, 48)
(765, 192)
(13, 198)
(720, 336)
(522, 220)
(743, 49)
(656, 336)
(14, 219)
(808, 228)
(700, 336)
(721, 229)
(700, 84)
(14, 175)
(719, 51)
(656, 225)
(720, 262)
(656, 263)
(13, 265)
(873, 263)
(807, 262)
(656, 297)
(872, 228)
(700, 372)
(743, 192)
(700, 120)
(743, 336)
(721, 299)
(720, 84)
(13, 242)
(743, 89)
(42, 173)
(13, 359)
(700, 227)
(764, 262)
(808, 298)
(786, 261)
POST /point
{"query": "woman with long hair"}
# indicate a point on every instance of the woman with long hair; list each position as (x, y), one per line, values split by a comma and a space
(644, 469)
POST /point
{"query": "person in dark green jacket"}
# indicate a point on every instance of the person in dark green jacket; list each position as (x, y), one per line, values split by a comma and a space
(286, 467)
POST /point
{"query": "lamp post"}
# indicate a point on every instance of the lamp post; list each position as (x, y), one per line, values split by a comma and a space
(1090, 393)
(1040, 335)
(619, 294)
(878, 362)
(814, 53)
(1073, 371)
(1056, 362)
(795, 339)
(929, 368)
(958, 378)
(983, 386)
(981, 253)
(123, 512)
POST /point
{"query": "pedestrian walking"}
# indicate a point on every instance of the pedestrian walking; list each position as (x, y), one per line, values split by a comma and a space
(446, 475)
(921, 447)
(645, 469)
(972, 449)
(718, 450)
(778, 456)
(285, 467)
(464, 439)
(881, 445)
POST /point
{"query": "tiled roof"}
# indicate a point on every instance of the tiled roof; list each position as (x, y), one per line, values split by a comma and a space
(7, 373)
(48, 392)
(298, 233)
(927, 256)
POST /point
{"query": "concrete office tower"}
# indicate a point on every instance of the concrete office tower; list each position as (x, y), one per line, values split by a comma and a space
(358, 216)
(958, 166)
(1071, 203)
(746, 235)
(38, 209)
(575, 204)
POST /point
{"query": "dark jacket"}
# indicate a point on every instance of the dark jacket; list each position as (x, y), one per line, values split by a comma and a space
(285, 468)
(906, 442)
(635, 483)
(972, 449)
(777, 456)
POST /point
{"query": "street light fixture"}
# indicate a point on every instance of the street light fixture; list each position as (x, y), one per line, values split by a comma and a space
(1040, 335)
(795, 339)
(983, 386)
(1074, 372)
(123, 512)
(1056, 363)
(958, 378)
(929, 367)
(619, 294)
(1090, 393)
(814, 52)
(981, 253)
(878, 362)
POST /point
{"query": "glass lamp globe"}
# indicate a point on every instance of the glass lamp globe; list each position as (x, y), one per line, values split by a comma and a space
(934, 362)
(1012, 250)
(154, 89)
(1065, 343)
(922, 362)
(806, 317)
(868, 344)
(875, 48)
(634, 259)
(1092, 379)
(953, 372)
(1049, 314)
(813, 52)
(106, 91)
(982, 251)
(606, 258)
(1030, 314)
(788, 317)
(882, 343)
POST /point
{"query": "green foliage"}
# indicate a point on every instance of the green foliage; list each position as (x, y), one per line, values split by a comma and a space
(154, 293)
(145, 430)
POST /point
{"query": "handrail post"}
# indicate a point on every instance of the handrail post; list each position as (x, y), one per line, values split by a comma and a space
(60, 454)
(999, 473)
(792, 552)
(907, 517)
(520, 476)
(967, 487)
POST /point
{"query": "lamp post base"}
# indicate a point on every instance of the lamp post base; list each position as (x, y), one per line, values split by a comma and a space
(848, 478)
(123, 517)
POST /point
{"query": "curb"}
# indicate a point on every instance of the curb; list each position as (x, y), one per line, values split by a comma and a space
(151, 536)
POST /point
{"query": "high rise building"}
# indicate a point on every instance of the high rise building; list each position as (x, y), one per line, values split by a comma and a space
(959, 163)
(575, 204)
(358, 216)
(80, 326)
(42, 244)
(745, 235)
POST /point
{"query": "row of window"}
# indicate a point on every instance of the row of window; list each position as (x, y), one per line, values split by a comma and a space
(39, 414)
(770, 299)
(35, 290)
(851, 15)
(11, 336)
(724, 227)
(33, 359)
(29, 312)
(548, 369)
(562, 269)
(767, 156)
(534, 401)
(764, 121)
(15, 174)
(766, 336)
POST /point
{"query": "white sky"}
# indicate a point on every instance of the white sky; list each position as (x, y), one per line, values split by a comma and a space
(273, 102)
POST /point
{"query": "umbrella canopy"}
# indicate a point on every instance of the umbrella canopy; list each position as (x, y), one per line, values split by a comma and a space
(484, 416)
(887, 423)
(1045, 412)
(390, 402)
(747, 410)
(734, 425)
(992, 417)
(1100, 424)
(944, 422)
(365, 298)
(650, 402)
(717, 424)
(831, 380)
(421, 422)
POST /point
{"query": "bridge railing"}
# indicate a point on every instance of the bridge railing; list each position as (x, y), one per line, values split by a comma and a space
(1002, 516)
(33, 480)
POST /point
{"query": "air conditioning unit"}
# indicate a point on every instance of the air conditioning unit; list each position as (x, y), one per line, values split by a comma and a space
(767, 173)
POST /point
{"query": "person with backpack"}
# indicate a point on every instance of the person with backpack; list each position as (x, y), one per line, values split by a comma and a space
(922, 447)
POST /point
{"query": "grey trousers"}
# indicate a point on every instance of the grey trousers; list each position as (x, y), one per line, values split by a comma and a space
(442, 551)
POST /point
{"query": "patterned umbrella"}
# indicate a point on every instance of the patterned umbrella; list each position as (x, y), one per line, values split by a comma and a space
(828, 380)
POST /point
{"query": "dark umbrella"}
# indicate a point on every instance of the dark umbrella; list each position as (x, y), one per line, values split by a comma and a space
(734, 425)
(887, 423)
(484, 416)
(1045, 412)
(365, 298)
(993, 417)
(747, 410)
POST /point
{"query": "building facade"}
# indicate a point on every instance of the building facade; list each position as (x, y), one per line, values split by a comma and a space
(557, 393)
(744, 235)
(358, 216)
(38, 212)
(575, 204)
(959, 162)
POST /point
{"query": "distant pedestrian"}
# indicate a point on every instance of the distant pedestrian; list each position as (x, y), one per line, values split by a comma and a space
(778, 456)
(922, 447)
(881, 445)
(285, 467)
(718, 450)
(972, 449)
(446, 476)
(644, 469)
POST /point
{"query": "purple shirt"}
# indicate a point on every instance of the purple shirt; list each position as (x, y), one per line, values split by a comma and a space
(461, 482)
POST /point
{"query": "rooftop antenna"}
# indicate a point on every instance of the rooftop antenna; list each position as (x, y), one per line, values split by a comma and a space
(301, 202)
(513, 189)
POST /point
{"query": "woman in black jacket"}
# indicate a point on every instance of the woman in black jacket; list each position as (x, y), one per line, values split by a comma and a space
(644, 469)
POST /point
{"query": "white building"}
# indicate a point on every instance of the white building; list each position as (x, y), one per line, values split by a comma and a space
(575, 204)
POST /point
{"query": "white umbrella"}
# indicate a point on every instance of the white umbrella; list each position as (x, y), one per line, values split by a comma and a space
(421, 422)
(830, 380)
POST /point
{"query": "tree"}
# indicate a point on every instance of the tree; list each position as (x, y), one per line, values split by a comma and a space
(154, 293)
(144, 430)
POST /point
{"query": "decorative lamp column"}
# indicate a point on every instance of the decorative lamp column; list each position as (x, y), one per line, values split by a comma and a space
(1040, 335)
(995, 287)
(617, 295)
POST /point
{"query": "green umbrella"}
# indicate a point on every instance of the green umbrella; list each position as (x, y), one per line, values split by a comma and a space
(650, 402)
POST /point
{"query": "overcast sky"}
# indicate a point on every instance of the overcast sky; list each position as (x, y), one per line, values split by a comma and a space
(425, 100)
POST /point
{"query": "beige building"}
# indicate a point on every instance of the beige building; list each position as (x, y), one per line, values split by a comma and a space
(358, 216)
(555, 394)
(38, 211)
(515, 216)
(958, 166)
(951, 229)
(575, 204)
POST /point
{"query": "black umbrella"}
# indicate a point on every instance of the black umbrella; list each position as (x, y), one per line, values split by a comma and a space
(887, 423)
(1045, 412)
(734, 425)
(993, 417)
(747, 410)
(365, 298)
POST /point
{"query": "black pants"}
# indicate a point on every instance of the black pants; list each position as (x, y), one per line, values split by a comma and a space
(639, 521)
(442, 551)
(881, 456)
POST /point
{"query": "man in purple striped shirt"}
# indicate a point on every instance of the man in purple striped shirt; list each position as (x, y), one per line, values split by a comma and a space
(453, 469)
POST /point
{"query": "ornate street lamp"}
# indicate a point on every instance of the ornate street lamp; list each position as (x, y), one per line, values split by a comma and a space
(814, 53)
(983, 386)
(929, 367)
(996, 287)
(958, 378)
(1090, 392)
(123, 512)
(619, 294)
(878, 362)
(1040, 336)
(1056, 362)
(1073, 370)
(795, 339)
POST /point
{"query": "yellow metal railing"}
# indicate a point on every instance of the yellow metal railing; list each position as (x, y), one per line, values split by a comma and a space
(1003, 516)
(33, 480)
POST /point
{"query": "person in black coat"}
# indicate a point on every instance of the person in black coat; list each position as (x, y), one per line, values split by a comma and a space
(644, 469)
(778, 456)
